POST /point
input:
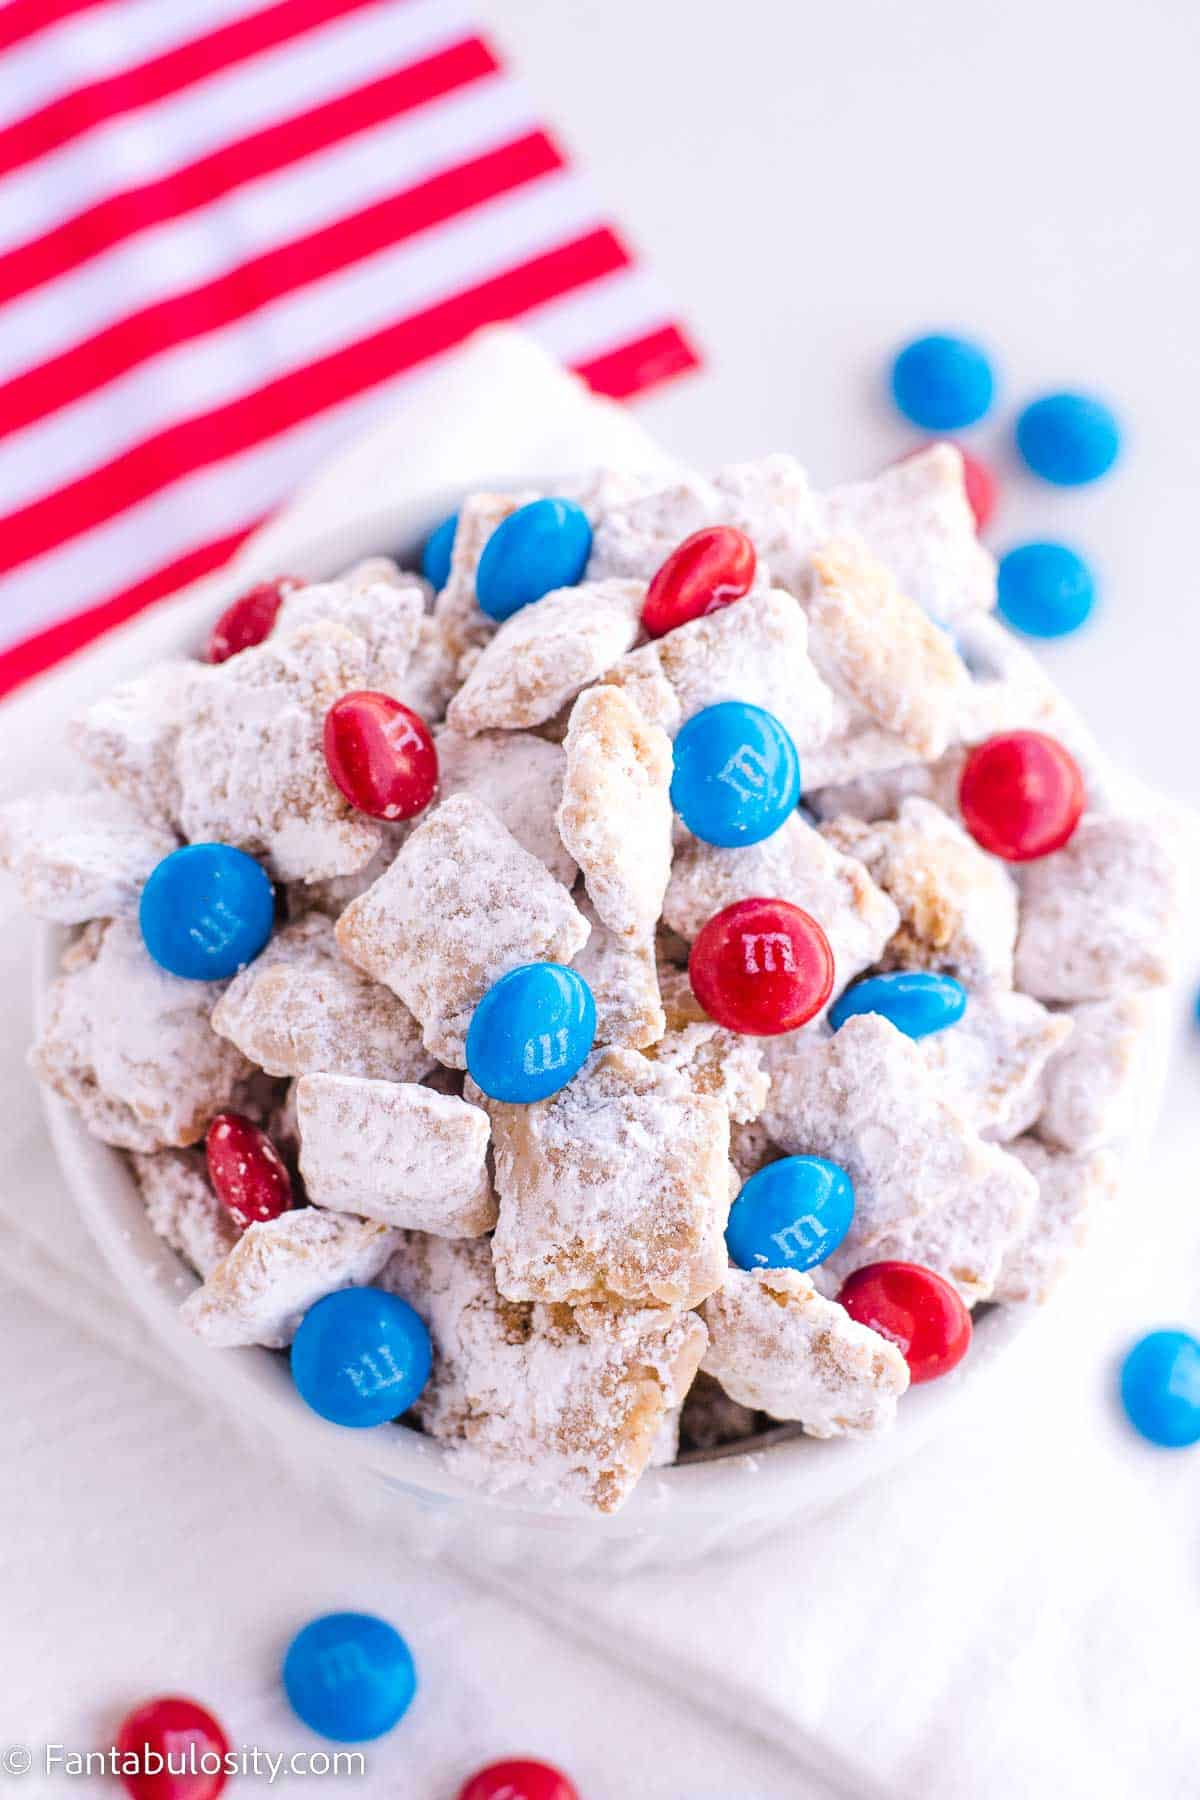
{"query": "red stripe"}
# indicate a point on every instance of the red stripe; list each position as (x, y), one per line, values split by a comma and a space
(97, 360)
(302, 394)
(634, 367)
(38, 653)
(89, 233)
(182, 66)
(22, 19)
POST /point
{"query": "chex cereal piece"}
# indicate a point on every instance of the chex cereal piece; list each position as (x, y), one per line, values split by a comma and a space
(965, 1240)
(633, 538)
(301, 1009)
(755, 650)
(334, 895)
(710, 1418)
(623, 976)
(958, 905)
(1071, 1188)
(877, 647)
(545, 654)
(532, 1396)
(278, 1269)
(133, 1047)
(711, 1059)
(880, 793)
(129, 736)
(864, 1099)
(770, 500)
(386, 616)
(251, 762)
(916, 519)
(395, 1151)
(1093, 1085)
(665, 1445)
(616, 1188)
(992, 1065)
(1010, 690)
(432, 673)
(183, 1210)
(461, 905)
(795, 864)
(1099, 915)
(462, 622)
(520, 777)
(776, 1345)
(80, 856)
(615, 816)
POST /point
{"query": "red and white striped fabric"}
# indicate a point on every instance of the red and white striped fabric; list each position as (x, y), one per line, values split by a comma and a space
(226, 229)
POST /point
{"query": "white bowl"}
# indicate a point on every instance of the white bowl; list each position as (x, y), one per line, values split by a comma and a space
(674, 1514)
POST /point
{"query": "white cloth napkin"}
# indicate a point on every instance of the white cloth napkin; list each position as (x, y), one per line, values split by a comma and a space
(1013, 1613)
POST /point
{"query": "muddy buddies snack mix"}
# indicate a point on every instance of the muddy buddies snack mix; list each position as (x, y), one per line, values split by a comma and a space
(629, 1098)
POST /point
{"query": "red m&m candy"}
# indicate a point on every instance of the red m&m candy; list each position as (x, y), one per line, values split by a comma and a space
(171, 1749)
(247, 1170)
(380, 755)
(1021, 795)
(916, 1310)
(980, 484)
(761, 966)
(250, 618)
(519, 1780)
(707, 571)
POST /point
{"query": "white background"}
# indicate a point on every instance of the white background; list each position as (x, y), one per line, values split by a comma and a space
(815, 183)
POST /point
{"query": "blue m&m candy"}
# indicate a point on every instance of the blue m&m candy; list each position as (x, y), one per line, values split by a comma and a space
(531, 1032)
(942, 383)
(915, 1001)
(737, 775)
(349, 1676)
(361, 1357)
(435, 557)
(538, 548)
(1069, 439)
(1160, 1388)
(206, 911)
(1044, 590)
(790, 1215)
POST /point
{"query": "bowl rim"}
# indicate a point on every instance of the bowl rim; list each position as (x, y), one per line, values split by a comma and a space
(780, 1465)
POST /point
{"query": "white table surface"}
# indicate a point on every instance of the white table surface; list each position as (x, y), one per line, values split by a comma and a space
(814, 183)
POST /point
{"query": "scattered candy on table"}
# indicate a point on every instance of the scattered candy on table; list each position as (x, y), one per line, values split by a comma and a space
(737, 775)
(181, 1736)
(1021, 795)
(761, 966)
(1160, 1388)
(246, 1170)
(709, 570)
(518, 1780)
(249, 619)
(790, 1215)
(538, 548)
(1068, 439)
(917, 1310)
(361, 1357)
(531, 1033)
(916, 1001)
(1044, 590)
(349, 1676)
(942, 383)
(206, 911)
(439, 548)
(380, 755)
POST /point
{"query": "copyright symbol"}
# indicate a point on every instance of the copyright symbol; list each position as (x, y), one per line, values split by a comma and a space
(16, 1760)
